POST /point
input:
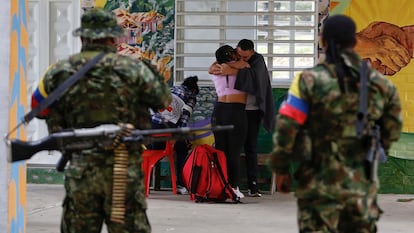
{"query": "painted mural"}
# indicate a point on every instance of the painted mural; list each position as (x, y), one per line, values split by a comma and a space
(386, 38)
(149, 27)
(17, 103)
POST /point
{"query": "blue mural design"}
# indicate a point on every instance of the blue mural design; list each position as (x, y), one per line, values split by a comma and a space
(18, 27)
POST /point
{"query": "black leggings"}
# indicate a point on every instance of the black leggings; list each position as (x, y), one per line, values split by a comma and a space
(231, 141)
(250, 148)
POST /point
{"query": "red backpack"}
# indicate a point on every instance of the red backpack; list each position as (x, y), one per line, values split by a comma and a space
(205, 175)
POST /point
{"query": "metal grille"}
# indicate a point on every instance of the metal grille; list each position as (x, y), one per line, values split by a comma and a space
(284, 32)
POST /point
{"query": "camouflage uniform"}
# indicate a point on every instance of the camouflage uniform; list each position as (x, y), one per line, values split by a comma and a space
(334, 194)
(117, 89)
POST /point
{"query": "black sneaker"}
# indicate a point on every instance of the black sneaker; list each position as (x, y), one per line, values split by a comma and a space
(255, 194)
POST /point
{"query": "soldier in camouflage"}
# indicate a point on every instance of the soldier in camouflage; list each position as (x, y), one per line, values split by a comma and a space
(334, 193)
(117, 89)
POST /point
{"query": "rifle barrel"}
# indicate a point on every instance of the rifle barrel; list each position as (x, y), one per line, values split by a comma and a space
(78, 139)
(181, 130)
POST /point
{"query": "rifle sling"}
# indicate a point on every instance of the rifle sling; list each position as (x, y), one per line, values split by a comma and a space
(362, 117)
(59, 91)
(223, 179)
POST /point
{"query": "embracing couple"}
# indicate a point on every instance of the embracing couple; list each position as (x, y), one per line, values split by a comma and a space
(245, 100)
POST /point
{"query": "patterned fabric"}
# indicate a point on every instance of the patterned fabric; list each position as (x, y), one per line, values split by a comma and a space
(88, 195)
(332, 181)
(331, 114)
(117, 89)
(190, 100)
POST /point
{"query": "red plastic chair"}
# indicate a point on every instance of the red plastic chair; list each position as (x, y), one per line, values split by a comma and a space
(151, 157)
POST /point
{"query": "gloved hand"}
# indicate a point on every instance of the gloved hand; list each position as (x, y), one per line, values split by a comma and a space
(283, 183)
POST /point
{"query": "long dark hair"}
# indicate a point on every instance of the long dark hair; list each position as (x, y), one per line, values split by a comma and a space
(339, 34)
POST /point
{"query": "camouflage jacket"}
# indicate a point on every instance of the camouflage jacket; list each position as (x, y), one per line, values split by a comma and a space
(117, 89)
(315, 103)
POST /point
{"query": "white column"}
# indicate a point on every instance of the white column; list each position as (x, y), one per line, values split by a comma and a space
(15, 76)
(4, 108)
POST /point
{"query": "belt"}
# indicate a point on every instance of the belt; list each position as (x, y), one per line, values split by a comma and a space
(233, 98)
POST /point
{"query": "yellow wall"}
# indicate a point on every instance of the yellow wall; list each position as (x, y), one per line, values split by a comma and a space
(398, 13)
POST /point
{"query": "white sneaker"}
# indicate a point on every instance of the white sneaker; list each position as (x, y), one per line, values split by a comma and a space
(181, 190)
(238, 193)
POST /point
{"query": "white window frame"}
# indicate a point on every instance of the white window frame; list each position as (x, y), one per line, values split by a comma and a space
(202, 26)
(50, 26)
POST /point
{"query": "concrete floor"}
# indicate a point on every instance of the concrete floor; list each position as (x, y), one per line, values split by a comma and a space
(176, 213)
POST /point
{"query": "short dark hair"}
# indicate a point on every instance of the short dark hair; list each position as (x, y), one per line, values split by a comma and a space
(245, 44)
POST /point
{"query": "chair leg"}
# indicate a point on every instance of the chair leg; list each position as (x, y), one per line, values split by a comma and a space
(173, 174)
(157, 175)
(148, 166)
(147, 176)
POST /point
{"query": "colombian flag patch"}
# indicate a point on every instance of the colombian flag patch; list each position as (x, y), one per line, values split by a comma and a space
(38, 96)
(294, 107)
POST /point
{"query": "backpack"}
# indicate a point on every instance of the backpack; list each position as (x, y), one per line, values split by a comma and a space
(205, 175)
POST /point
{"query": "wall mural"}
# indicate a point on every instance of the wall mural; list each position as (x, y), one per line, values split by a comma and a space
(386, 38)
(387, 46)
(17, 102)
(149, 27)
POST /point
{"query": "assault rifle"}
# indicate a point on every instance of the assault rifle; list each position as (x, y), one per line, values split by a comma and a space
(370, 134)
(375, 154)
(102, 136)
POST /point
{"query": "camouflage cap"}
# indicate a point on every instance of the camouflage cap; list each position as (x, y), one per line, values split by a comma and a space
(97, 23)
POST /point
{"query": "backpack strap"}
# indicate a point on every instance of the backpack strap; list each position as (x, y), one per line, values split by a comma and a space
(226, 184)
(193, 177)
(362, 116)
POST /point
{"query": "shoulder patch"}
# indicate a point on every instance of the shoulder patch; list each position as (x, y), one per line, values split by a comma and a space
(294, 107)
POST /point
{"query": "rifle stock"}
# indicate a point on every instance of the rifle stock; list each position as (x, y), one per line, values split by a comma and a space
(100, 136)
(22, 150)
